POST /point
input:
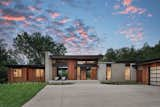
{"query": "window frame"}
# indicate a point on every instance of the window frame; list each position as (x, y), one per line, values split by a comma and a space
(17, 73)
(127, 76)
(39, 73)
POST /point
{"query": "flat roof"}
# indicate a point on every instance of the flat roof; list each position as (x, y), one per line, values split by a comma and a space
(149, 61)
(29, 66)
(77, 57)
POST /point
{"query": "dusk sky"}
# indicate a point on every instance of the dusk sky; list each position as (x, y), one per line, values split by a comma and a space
(84, 26)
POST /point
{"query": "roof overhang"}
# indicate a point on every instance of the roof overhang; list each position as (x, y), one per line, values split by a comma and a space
(76, 57)
(26, 66)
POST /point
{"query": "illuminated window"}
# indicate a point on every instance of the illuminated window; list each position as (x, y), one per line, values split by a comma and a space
(17, 73)
(81, 62)
(108, 72)
(39, 73)
(127, 73)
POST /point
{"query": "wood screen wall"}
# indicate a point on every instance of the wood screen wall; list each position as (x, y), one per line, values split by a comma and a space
(93, 73)
(28, 75)
(71, 69)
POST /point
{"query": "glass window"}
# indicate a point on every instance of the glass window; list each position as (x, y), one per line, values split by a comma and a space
(108, 72)
(81, 62)
(17, 73)
(127, 73)
(39, 72)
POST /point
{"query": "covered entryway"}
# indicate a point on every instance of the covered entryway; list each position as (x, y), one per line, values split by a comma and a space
(155, 75)
(86, 73)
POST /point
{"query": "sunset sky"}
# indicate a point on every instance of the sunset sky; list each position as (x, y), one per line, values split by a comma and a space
(84, 26)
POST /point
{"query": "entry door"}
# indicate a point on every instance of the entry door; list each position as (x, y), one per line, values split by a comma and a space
(83, 74)
(155, 75)
(139, 76)
(93, 73)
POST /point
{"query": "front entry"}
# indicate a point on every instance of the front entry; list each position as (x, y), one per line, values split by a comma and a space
(86, 73)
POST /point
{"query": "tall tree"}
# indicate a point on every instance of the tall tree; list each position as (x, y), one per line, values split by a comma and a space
(5, 59)
(110, 55)
(131, 54)
(33, 46)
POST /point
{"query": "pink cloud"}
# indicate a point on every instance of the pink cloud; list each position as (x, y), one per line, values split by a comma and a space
(127, 2)
(32, 8)
(69, 38)
(26, 23)
(82, 33)
(39, 19)
(63, 21)
(134, 34)
(132, 10)
(55, 15)
(13, 18)
(5, 3)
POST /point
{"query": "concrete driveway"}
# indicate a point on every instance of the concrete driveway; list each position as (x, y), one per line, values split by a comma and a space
(96, 95)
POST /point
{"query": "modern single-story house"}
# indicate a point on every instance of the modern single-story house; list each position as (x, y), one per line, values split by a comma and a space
(86, 67)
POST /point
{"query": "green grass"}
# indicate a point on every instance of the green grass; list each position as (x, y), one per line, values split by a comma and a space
(119, 82)
(15, 95)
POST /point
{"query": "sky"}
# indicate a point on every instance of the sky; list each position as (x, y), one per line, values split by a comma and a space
(84, 26)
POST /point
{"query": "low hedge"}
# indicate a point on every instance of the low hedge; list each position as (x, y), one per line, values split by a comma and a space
(118, 82)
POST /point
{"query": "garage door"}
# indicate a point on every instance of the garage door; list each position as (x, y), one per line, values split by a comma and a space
(155, 75)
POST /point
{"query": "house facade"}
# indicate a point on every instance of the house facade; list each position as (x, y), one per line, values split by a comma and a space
(73, 67)
(86, 67)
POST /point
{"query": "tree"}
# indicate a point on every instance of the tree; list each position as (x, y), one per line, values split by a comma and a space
(131, 54)
(110, 55)
(5, 59)
(34, 45)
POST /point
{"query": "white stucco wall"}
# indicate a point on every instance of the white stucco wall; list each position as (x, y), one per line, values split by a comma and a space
(101, 71)
(48, 67)
(117, 73)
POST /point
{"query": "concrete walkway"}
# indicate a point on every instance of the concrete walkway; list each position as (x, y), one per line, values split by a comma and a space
(96, 95)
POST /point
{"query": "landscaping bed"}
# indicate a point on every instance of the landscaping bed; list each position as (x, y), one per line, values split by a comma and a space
(119, 82)
(16, 94)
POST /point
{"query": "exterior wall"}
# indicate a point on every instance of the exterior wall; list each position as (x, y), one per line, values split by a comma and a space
(117, 72)
(48, 67)
(101, 71)
(143, 72)
(71, 69)
(28, 75)
(93, 73)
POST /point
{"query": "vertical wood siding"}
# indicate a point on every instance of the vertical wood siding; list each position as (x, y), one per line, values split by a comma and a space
(28, 75)
(71, 69)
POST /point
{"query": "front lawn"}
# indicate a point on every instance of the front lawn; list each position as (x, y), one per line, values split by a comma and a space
(15, 95)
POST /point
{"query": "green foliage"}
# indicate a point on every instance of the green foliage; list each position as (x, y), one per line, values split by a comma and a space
(5, 59)
(33, 46)
(131, 54)
(15, 95)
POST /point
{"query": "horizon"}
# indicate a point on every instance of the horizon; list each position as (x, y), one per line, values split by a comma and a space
(84, 26)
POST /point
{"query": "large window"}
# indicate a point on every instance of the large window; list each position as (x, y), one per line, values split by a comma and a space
(108, 72)
(17, 73)
(39, 73)
(127, 73)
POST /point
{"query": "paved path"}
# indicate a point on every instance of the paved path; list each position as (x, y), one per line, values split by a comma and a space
(96, 95)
